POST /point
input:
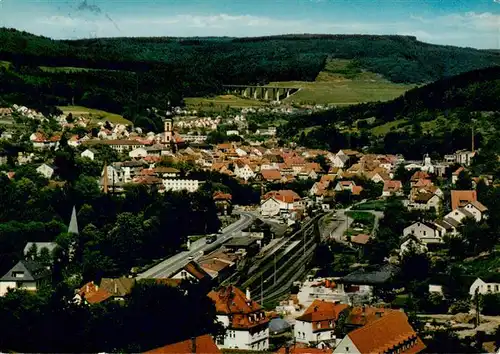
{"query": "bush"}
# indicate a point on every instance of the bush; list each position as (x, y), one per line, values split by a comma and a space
(459, 306)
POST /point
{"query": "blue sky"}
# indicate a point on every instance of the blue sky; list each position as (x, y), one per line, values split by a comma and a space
(473, 23)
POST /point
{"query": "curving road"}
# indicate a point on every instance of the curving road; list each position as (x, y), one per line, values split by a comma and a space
(176, 262)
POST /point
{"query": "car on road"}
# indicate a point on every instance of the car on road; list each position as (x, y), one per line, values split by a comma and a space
(190, 258)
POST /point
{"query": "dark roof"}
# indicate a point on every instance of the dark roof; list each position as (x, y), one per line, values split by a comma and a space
(443, 224)
(240, 242)
(452, 222)
(278, 325)
(374, 277)
(32, 271)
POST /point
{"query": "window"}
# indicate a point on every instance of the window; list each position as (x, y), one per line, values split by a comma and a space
(496, 288)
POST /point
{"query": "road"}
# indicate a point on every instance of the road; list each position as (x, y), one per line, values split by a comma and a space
(176, 262)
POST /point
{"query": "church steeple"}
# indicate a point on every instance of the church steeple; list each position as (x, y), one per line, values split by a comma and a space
(73, 224)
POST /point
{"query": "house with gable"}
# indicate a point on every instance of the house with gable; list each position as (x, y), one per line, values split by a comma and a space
(246, 324)
(25, 275)
(194, 272)
(390, 333)
(485, 285)
(318, 322)
(203, 344)
(460, 198)
(425, 232)
(392, 188)
(279, 202)
(243, 170)
(46, 170)
(89, 153)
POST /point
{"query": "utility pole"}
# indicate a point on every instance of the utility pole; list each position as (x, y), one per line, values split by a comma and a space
(472, 142)
(304, 245)
(476, 298)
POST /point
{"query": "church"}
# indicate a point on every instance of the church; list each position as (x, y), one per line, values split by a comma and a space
(170, 137)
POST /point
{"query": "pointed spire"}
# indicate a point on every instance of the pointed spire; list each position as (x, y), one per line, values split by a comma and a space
(73, 224)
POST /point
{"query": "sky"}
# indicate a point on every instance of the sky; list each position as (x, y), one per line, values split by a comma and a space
(466, 23)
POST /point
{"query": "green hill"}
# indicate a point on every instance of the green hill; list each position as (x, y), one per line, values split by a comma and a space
(127, 75)
(436, 118)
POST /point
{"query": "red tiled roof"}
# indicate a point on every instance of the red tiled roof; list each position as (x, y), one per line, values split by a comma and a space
(356, 190)
(461, 198)
(286, 196)
(222, 196)
(204, 344)
(423, 183)
(384, 334)
(320, 311)
(271, 175)
(244, 313)
(392, 186)
(419, 175)
(361, 316)
(196, 271)
(361, 239)
(93, 294)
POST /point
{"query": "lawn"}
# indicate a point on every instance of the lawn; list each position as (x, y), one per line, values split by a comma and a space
(341, 83)
(378, 205)
(361, 220)
(483, 266)
(221, 102)
(95, 114)
(387, 127)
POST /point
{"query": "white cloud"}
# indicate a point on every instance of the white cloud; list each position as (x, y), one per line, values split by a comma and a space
(464, 29)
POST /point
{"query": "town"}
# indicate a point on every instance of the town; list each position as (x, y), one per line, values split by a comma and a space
(299, 250)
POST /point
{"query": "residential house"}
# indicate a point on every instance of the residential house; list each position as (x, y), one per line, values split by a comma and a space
(202, 344)
(46, 170)
(485, 285)
(219, 266)
(223, 202)
(25, 275)
(91, 294)
(119, 145)
(318, 322)
(460, 198)
(119, 288)
(392, 188)
(279, 202)
(464, 157)
(345, 185)
(412, 243)
(269, 175)
(390, 333)
(166, 172)
(360, 316)
(425, 201)
(244, 320)
(194, 272)
(89, 153)
(243, 171)
(424, 232)
(459, 215)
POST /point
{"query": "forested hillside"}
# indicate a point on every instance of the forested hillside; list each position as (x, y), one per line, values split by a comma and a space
(126, 75)
(435, 118)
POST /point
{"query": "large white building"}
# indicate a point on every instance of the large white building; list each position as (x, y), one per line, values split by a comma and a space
(26, 275)
(317, 323)
(246, 324)
(190, 185)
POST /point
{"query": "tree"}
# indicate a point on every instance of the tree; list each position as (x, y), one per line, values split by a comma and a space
(464, 182)
(490, 304)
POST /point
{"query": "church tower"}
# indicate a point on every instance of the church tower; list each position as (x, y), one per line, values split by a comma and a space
(168, 130)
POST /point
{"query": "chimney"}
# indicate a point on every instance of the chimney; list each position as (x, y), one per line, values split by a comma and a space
(193, 344)
(247, 294)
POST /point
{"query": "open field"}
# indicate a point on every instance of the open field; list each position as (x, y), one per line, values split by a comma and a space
(221, 102)
(387, 127)
(95, 114)
(342, 83)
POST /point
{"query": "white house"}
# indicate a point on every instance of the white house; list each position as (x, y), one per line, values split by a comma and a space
(45, 170)
(26, 275)
(138, 152)
(88, 153)
(412, 243)
(276, 202)
(477, 209)
(340, 161)
(247, 327)
(424, 232)
(425, 201)
(484, 287)
(190, 185)
(460, 214)
(318, 322)
(243, 171)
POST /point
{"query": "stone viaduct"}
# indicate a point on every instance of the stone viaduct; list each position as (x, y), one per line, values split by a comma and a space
(266, 93)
